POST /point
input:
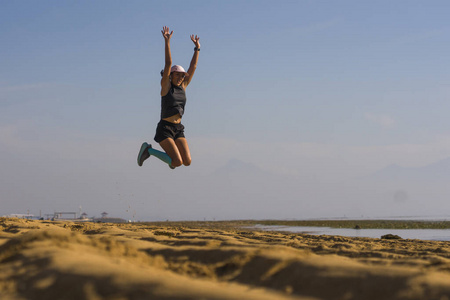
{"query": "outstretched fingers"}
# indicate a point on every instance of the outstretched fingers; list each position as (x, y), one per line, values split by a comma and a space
(167, 34)
(196, 40)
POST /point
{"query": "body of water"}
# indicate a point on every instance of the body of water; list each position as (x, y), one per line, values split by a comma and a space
(420, 234)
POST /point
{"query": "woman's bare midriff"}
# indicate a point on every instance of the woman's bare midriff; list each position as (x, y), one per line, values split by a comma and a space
(176, 119)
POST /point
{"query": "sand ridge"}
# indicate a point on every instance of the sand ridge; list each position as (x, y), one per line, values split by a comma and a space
(208, 260)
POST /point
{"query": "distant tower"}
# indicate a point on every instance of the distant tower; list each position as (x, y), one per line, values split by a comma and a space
(104, 214)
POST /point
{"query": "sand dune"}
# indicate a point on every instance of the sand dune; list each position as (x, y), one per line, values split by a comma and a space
(66, 260)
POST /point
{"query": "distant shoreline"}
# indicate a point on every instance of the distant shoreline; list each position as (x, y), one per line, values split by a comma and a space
(351, 224)
(331, 223)
(363, 224)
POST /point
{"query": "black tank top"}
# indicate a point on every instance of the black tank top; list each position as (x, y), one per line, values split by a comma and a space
(173, 103)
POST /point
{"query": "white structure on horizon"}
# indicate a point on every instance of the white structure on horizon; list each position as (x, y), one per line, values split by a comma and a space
(19, 216)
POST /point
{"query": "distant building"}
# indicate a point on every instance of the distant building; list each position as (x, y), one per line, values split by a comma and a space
(64, 215)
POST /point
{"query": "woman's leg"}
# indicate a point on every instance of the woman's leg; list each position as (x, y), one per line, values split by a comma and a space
(170, 147)
(153, 152)
(183, 150)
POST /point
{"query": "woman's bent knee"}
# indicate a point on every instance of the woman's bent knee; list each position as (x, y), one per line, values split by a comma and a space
(176, 162)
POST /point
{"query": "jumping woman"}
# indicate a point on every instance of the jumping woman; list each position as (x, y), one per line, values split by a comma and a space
(170, 131)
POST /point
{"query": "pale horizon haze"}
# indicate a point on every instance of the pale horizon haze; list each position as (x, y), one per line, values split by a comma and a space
(297, 110)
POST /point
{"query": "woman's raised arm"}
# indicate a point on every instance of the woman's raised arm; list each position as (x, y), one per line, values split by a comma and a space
(165, 81)
(190, 73)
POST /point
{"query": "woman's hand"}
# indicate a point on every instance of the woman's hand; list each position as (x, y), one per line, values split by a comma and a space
(166, 34)
(196, 41)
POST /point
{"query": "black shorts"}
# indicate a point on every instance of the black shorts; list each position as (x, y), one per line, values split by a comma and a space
(166, 130)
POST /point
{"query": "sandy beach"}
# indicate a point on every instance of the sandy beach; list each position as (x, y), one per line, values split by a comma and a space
(211, 260)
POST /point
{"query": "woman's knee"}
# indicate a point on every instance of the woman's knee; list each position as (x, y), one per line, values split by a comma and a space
(187, 161)
(176, 162)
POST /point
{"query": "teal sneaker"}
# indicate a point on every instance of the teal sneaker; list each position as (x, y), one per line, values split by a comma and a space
(143, 154)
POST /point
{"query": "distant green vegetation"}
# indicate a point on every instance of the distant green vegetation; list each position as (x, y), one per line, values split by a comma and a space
(362, 224)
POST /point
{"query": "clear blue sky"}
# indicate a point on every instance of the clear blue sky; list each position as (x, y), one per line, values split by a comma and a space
(314, 91)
